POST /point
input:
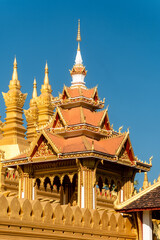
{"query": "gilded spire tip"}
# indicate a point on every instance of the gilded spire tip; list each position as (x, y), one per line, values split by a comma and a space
(46, 68)
(145, 182)
(15, 74)
(79, 35)
(34, 95)
(34, 83)
(15, 62)
(46, 79)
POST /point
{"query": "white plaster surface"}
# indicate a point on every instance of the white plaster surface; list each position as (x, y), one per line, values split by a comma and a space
(147, 225)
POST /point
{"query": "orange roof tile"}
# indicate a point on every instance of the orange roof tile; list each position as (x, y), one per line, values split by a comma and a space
(77, 115)
(83, 143)
(109, 145)
(77, 92)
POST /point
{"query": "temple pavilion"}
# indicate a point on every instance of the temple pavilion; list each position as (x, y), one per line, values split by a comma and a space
(70, 155)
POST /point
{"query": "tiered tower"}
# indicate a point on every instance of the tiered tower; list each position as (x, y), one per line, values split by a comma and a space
(13, 141)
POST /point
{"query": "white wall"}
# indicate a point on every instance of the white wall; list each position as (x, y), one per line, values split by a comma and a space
(147, 225)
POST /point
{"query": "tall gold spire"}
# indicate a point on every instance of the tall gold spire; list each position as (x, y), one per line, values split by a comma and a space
(13, 130)
(44, 101)
(14, 82)
(31, 115)
(34, 94)
(79, 35)
(46, 87)
(15, 74)
(46, 79)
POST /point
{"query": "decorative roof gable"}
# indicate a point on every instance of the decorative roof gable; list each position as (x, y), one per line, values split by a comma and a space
(43, 147)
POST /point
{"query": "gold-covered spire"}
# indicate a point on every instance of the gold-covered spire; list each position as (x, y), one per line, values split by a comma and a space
(15, 74)
(14, 83)
(78, 35)
(46, 78)
(145, 182)
(34, 94)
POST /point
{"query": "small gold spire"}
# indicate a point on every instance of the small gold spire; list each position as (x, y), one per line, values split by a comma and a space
(46, 79)
(46, 68)
(34, 94)
(79, 35)
(15, 62)
(145, 182)
(15, 74)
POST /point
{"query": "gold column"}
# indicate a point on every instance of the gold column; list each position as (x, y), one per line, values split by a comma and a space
(28, 186)
(86, 184)
(2, 177)
(25, 184)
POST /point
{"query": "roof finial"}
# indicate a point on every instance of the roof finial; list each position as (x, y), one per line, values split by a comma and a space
(15, 61)
(34, 94)
(46, 79)
(15, 74)
(46, 68)
(78, 35)
(145, 182)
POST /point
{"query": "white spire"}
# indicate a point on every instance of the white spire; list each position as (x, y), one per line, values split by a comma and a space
(78, 59)
(78, 71)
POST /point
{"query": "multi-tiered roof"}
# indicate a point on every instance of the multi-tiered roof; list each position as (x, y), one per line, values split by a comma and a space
(78, 129)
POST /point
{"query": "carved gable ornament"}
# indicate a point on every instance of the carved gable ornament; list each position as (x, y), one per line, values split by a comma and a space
(43, 149)
(104, 123)
(126, 154)
(58, 122)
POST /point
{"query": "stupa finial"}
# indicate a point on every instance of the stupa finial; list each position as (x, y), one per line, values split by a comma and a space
(34, 94)
(145, 182)
(78, 71)
(79, 35)
(15, 74)
(46, 78)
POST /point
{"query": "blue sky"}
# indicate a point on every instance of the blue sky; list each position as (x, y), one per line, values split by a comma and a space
(120, 49)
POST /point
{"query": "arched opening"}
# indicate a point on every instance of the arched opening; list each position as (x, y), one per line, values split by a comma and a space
(120, 192)
(66, 190)
(100, 184)
(47, 184)
(106, 184)
(37, 183)
(57, 183)
(74, 190)
(113, 188)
